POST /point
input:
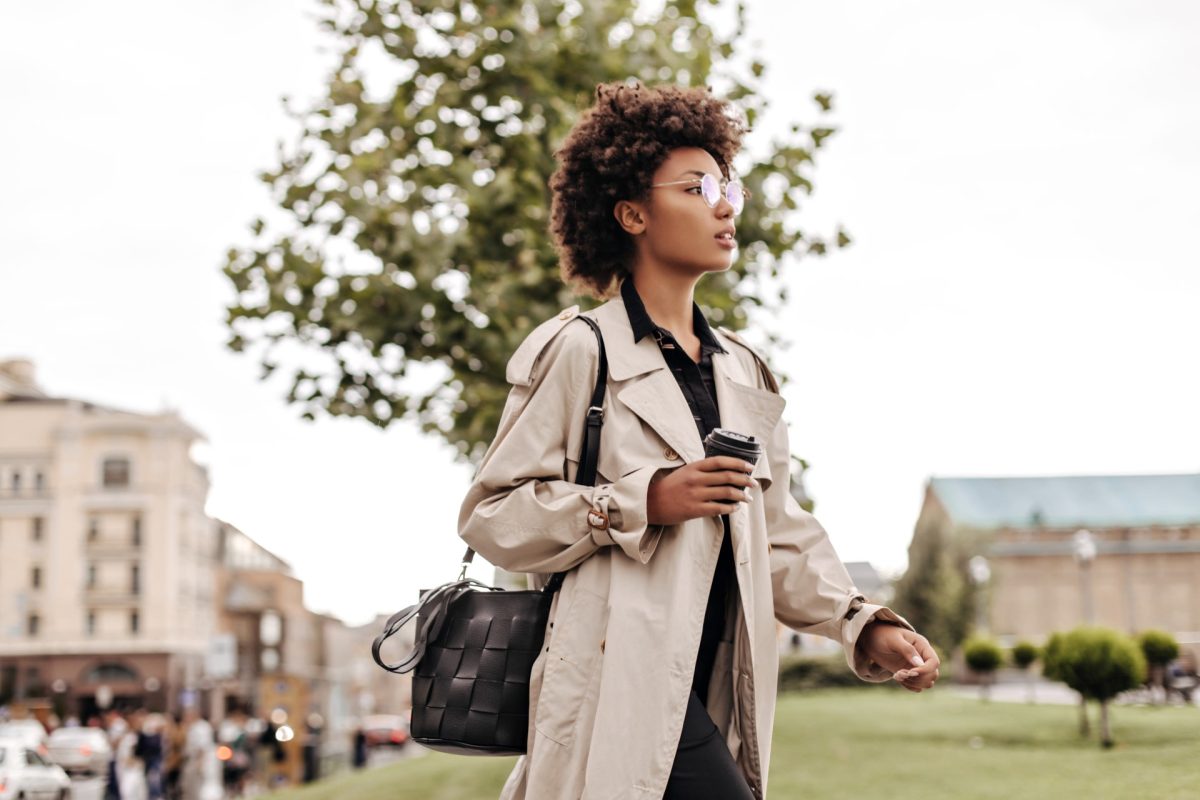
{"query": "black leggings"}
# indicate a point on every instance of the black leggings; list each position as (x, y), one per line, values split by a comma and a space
(703, 768)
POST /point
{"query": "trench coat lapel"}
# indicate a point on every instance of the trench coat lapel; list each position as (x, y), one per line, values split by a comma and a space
(652, 393)
(650, 390)
(746, 409)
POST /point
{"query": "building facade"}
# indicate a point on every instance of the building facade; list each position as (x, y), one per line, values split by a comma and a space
(117, 590)
(1049, 554)
(106, 555)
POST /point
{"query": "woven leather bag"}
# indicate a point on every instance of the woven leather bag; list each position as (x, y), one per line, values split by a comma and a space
(474, 645)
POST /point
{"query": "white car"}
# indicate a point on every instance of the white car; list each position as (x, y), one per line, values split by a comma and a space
(80, 750)
(26, 774)
(28, 732)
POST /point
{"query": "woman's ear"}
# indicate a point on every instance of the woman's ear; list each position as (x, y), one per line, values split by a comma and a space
(630, 217)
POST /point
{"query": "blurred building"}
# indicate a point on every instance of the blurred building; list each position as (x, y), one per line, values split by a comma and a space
(106, 556)
(116, 589)
(1121, 551)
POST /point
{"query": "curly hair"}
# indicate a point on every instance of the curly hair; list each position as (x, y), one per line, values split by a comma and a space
(611, 154)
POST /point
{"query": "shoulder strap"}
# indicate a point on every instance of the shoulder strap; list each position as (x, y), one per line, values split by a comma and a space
(589, 451)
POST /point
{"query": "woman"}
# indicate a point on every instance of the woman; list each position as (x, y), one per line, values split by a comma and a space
(659, 674)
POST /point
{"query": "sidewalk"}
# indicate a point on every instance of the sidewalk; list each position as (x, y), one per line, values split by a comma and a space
(1045, 692)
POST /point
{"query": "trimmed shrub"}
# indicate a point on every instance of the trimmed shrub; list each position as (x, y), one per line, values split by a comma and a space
(1159, 647)
(1100, 664)
(799, 674)
(1023, 654)
(982, 655)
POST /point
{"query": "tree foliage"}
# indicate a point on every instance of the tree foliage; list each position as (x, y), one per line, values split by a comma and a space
(1158, 647)
(982, 655)
(1100, 664)
(1051, 652)
(1024, 654)
(409, 253)
(934, 593)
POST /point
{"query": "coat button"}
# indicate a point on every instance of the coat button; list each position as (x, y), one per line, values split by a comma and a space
(670, 455)
(565, 315)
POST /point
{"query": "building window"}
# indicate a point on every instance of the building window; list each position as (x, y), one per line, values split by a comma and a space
(91, 576)
(39, 525)
(36, 577)
(135, 579)
(16, 482)
(39, 481)
(91, 623)
(111, 673)
(116, 473)
(137, 531)
(93, 529)
(35, 622)
(134, 621)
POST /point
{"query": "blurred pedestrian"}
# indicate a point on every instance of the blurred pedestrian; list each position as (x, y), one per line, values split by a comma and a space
(130, 769)
(116, 727)
(174, 738)
(201, 774)
(360, 747)
(150, 749)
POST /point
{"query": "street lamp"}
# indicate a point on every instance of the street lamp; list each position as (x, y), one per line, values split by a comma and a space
(980, 572)
(1084, 546)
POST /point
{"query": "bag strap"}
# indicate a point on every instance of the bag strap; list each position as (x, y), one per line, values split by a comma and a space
(589, 451)
(434, 604)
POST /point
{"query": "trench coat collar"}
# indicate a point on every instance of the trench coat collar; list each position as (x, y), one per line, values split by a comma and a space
(653, 394)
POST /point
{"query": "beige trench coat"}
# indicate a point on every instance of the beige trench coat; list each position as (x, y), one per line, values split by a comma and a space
(609, 691)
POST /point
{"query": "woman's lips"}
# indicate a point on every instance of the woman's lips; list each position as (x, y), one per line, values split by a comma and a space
(728, 242)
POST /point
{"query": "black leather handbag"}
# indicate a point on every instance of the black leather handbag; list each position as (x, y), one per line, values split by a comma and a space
(474, 644)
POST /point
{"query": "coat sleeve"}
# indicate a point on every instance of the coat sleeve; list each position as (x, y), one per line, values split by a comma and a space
(813, 592)
(521, 512)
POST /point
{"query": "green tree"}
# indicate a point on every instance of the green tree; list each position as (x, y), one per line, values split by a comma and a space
(1023, 655)
(1052, 669)
(983, 656)
(1159, 649)
(934, 593)
(411, 254)
(1100, 664)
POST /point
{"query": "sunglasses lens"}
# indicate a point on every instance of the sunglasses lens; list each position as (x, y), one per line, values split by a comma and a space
(735, 196)
(711, 190)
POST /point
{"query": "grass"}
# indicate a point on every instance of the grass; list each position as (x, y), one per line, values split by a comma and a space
(888, 744)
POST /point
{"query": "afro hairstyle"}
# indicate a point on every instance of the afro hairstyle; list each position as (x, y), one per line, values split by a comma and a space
(612, 154)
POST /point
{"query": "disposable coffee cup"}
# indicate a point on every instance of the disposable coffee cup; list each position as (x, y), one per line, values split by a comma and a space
(723, 442)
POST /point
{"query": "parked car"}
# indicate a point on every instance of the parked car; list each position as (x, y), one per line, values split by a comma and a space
(28, 732)
(24, 773)
(385, 729)
(80, 750)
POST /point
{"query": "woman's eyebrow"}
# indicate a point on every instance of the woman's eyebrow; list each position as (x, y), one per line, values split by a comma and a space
(695, 172)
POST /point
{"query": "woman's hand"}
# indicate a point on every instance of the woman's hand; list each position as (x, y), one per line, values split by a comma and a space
(705, 488)
(904, 653)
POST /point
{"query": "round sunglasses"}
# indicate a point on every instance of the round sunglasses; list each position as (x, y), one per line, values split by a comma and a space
(712, 190)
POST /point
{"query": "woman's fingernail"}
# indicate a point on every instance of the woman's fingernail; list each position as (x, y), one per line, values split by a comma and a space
(918, 660)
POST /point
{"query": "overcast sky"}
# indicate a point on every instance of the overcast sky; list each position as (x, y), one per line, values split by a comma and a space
(1020, 181)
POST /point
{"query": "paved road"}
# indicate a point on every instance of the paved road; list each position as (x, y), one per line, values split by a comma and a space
(87, 789)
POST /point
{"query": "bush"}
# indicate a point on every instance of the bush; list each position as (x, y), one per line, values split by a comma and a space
(798, 674)
(982, 655)
(1159, 647)
(1023, 654)
(1051, 657)
(1100, 664)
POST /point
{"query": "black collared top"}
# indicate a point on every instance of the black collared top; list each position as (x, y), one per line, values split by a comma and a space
(696, 382)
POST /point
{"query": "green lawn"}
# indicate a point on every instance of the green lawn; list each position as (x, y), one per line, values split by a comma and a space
(867, 743)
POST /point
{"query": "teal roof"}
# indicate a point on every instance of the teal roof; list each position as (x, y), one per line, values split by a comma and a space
(1075, 500)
